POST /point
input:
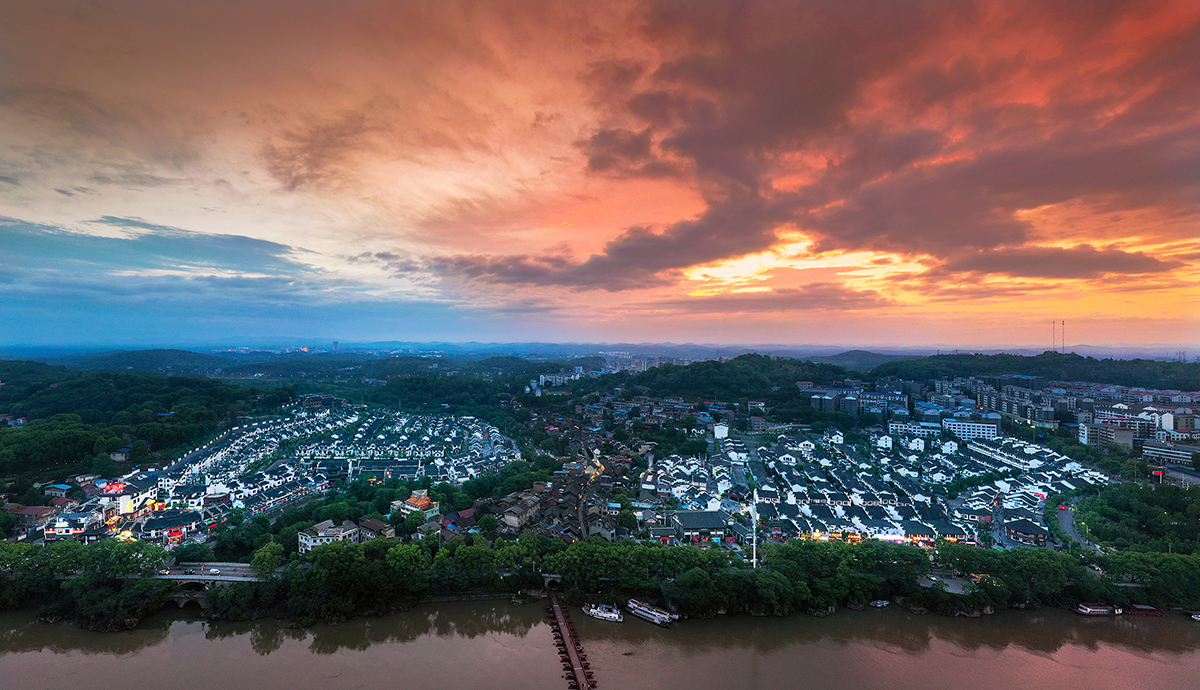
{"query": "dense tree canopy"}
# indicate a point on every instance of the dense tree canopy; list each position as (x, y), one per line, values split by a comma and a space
(1055, 366)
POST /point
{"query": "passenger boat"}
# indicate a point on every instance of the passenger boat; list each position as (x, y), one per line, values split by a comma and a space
(651, 613)
(880, 603)
(1143, 610)
(1097, 610)
(605, 612)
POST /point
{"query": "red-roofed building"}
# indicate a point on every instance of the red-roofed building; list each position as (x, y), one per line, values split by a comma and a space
(419, 502)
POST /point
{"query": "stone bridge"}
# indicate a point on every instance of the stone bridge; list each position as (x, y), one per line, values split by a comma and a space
(186, 597)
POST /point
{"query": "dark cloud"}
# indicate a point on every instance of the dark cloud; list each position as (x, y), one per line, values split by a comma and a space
(519, 307)
(811, 297)
(317, 153)
(10, 180)
(1082, 261)
(397, 264)
(640, 257)
(944, 208)
(612, 80)
(623, 152)
(780, 74)
(755, 82)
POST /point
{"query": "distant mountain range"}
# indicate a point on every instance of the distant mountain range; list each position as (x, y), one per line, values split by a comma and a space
(860, 360)
(389, 359)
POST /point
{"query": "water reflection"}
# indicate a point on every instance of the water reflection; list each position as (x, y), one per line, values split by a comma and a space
(22, 632)
(1041, 632)
(443, 621)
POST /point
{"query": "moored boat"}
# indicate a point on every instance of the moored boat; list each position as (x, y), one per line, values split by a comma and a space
(605, 612)
(880, 603)
(1097, 610)
(651, 613)
(1143, 610)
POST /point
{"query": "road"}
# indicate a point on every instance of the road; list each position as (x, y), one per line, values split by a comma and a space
(1066, 521)
(230, 572)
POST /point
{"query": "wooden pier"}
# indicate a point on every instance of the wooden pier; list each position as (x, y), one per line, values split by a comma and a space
(570, 650)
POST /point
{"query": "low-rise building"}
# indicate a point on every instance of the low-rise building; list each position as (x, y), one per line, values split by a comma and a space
(172, 526)
(370, 528)
(418, 502)
(326, 533)
(699, 525)
(1026, 532)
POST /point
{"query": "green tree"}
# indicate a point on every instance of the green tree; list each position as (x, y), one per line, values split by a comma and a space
(488, 523)
(193, 553)
(267, 559)
(627, 519)
(7, 522)
(413, 522)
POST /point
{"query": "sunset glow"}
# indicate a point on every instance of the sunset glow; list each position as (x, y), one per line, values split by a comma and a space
(779, 172)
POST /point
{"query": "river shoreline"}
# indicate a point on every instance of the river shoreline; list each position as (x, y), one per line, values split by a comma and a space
(495, 645)
(922, 607)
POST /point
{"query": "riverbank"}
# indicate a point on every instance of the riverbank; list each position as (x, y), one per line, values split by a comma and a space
(501, 647)
(97, 585)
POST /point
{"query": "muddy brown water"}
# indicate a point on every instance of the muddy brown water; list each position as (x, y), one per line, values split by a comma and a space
(481, 645)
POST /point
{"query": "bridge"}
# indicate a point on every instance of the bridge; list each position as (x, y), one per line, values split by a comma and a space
(188, 596)
(202, 573)
(570, 649)
(195, 585)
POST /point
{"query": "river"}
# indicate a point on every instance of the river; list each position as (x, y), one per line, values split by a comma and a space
(493, 645)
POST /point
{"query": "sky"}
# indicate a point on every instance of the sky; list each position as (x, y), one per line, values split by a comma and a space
(854, 172)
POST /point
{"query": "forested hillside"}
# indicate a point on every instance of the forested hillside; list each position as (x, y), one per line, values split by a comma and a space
(152, 360)
(1055, 366)
(72, 419)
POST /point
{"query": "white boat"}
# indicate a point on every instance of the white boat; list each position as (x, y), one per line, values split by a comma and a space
(651, 613)
(1196, 616)
(1097, 610)
(880, 603)
(605, 612)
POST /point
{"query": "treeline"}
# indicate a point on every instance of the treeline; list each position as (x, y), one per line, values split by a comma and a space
(750, 376)
(798, 576)
(354, 366)
(1028, 576)
(109, 585)
(76, 421)
(130, 399)
(176, 361)
(1055, 366)
(1147, 518)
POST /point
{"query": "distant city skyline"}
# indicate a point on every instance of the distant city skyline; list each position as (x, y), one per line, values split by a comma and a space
(953, 175)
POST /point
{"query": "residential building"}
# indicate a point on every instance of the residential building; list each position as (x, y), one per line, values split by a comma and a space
(699, 525)
(326, 533)
(418, 502)
(370, 528)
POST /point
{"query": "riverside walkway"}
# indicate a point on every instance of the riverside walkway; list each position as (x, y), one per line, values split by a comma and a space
(570, 649)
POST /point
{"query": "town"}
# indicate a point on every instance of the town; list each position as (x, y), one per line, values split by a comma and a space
(925, 461)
